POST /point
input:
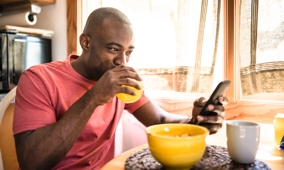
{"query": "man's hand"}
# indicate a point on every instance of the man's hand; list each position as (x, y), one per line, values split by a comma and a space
(110, 84)
(213, 121)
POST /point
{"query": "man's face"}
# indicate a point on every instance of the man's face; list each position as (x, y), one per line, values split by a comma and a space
(111, 45)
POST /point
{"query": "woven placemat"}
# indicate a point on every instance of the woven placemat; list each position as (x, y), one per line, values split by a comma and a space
(214, 158)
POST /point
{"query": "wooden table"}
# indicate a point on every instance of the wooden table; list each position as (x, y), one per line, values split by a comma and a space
(267, 151)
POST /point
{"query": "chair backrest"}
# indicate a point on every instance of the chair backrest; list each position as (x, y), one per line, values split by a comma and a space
(8, 158)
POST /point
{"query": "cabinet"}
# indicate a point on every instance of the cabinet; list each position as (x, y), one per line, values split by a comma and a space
(43, 2)
(19, 2)
(13, 6)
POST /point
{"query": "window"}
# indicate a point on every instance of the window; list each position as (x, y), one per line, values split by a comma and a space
(179, 35)
(260, 50)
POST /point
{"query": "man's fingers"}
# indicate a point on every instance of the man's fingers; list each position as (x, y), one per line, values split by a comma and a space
(210, 119)
(213, 128)
(217, 108)
(223, 100)
(200, 102)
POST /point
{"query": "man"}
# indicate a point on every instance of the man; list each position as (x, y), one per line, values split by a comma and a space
(66, 112)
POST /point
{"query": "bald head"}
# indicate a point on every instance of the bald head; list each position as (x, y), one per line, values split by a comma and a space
(97, 17)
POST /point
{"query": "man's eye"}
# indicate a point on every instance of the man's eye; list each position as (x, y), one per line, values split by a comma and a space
(113, 49)
(128, 52)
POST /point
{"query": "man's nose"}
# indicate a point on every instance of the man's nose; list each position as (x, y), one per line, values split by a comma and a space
(121, 59)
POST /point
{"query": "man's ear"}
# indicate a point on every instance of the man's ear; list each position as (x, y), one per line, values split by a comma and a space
(84, 42)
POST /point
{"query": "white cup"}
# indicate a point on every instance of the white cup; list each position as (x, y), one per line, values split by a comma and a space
(242, 140)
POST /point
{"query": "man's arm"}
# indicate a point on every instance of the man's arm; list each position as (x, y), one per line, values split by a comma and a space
(151, 114)
(47, 146)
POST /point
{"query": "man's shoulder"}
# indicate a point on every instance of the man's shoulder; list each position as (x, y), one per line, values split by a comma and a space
(48, 67)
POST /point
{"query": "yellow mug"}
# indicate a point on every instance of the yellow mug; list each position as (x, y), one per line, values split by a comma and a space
(126, 98)
(278, 128)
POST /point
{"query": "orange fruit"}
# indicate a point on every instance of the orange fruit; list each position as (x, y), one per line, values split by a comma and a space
(127, 98)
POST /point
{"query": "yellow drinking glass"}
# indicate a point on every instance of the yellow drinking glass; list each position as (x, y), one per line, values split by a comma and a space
(126, 98)
(278, 128)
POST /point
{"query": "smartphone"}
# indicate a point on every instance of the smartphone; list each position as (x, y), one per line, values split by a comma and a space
(213, 99)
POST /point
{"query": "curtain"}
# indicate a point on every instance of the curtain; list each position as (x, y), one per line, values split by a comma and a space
(261, 49)
(176, 41)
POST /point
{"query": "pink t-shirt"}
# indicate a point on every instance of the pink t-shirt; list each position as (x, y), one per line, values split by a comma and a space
(44, 94)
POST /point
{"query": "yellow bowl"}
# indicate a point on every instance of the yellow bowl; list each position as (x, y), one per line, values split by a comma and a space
(126, 98)
(177, 146)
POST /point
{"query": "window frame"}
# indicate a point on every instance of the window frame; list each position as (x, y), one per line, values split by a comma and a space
(229, 60)
(232, 63)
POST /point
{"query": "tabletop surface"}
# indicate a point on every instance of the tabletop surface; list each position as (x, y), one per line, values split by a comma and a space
(267, 152)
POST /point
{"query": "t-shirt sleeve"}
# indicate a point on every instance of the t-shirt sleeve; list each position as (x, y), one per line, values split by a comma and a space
(33, 108)
(134, 106)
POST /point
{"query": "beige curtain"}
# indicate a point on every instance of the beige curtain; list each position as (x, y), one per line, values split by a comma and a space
(189, 73)
(176, 41)
(261, 46)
